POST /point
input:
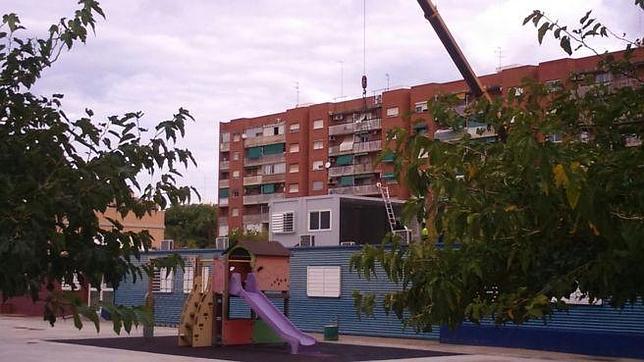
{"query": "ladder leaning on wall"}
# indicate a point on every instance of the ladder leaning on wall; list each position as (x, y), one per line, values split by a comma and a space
(404, 233)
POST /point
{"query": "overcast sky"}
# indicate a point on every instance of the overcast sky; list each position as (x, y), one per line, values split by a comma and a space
(229, 59)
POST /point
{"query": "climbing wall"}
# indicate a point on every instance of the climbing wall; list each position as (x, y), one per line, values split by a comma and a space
(189, 313)
(202, 331)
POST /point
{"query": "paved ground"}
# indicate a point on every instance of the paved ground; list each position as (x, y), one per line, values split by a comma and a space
(29, 339)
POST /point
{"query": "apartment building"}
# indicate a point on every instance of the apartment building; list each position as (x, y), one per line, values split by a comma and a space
(332, 148)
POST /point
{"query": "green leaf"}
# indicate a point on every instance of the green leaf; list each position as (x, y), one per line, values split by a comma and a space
(542, 31)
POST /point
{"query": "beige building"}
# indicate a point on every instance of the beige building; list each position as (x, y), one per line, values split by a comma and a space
(154, 224)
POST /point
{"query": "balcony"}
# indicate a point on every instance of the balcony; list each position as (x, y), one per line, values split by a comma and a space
(223, 184)
(355, 190)
(223, 201)
(255, 218)
(264, 140)
(351, 170)
(224, 165)
(252, 180)
(348, 128)
(224, 147)
(222, 220)
(358, 147)
(264, 179)
(261, 198)
(250, 162)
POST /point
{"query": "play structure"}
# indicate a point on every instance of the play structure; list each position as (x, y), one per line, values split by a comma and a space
(248, 272)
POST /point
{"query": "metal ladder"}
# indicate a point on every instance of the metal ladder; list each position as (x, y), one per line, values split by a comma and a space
(391, 216)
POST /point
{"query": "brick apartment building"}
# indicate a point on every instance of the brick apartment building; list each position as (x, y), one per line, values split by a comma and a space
(331, 148)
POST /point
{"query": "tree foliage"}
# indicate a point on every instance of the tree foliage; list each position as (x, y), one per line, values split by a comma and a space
(193, 226)
(58, 172)
(527, 221)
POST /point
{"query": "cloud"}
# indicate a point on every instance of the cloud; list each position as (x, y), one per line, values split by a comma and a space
(230, 59)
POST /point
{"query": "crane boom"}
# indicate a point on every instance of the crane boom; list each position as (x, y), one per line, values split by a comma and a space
(434, 18)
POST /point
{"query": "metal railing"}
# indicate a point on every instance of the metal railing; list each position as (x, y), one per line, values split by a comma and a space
(224, 147)
(358, 147)
(264, 140)
(348, 128)
(355, 190)
(252, 180)
(261, 198)
(351, 170)
(224, 183)
(223, 201)
(222, 220)
(224, 165)
(255, 218)
(249, 162)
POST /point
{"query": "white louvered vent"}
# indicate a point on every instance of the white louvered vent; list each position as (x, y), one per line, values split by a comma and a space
(283, 222)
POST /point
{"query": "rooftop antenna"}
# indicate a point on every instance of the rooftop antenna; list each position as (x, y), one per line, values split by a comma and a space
(341, 78)
(364, 53)
(297, 92)
(499, 52)
(387, 76)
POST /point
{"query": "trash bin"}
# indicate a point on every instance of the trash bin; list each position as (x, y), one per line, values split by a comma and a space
(331, 332)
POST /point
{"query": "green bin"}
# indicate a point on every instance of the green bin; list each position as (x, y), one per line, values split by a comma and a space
(331, 332)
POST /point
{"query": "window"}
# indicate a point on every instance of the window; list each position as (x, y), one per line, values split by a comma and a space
(235, 156)
(554, 85)
(235, 174)
(318, 165)
(236, 137)
(235, 212)
(235, 193)
(421, 107)
(294, 127)
(603, 77)
(205, 278)
(293, 188)
(283, 222)
(392, 112)
(162, 281)
(323, 281)
(317, 185)
(188, 277)
(274, 169)
(75, 284)
(223, 230)
(294, 168)
(518, 91)
(293, 148)
(319, 220)
(318, 145)
(225, 137)
(318, 124)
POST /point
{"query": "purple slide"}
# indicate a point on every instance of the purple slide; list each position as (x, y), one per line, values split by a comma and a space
(268, 312)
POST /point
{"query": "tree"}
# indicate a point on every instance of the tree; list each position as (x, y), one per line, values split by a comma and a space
(57, 173)
(524, 222)
(193, 226)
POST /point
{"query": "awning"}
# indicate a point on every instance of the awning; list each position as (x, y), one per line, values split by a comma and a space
(389, 156)
(254, 153)
(346, 181)
(274, 149)
(268, 188)
(344, 160)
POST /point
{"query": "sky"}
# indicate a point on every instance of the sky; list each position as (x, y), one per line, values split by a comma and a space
(223, 60)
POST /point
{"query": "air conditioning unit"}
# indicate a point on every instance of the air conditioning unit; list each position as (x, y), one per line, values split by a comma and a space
(222, 242)
(167, 244)
(347, 243)
(307, 240)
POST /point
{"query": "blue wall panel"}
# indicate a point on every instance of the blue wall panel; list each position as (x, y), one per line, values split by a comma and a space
(313, 313)
(599, 330)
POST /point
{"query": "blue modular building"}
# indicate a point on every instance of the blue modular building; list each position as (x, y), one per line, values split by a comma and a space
(321, 293)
